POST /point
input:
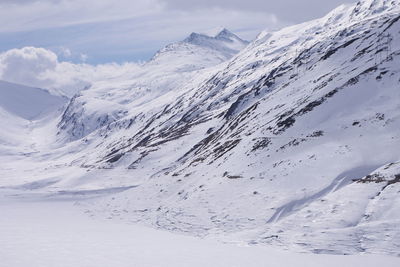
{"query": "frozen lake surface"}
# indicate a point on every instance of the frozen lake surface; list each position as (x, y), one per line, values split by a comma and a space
(47, 233)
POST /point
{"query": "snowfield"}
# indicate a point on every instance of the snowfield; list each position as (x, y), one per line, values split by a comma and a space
(216, 152)
(40, 231)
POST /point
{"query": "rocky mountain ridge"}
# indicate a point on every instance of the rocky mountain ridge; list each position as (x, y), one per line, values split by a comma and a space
(291, 142)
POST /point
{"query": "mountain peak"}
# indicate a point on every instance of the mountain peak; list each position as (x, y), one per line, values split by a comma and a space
(194, 36)
(224, 33)
(203, 49)
(372, 7)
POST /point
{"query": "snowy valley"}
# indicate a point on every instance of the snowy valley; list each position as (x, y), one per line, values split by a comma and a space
(289, 142)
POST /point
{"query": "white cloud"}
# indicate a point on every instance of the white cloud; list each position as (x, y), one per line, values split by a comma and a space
(30, 14)
(84, 57)
(126, 30)
(66, 52)
(123, 30)
(27, 64)
(284, 10)
(40, 67)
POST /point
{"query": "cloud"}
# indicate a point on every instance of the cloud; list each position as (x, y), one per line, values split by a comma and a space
(84, 57)
(138, 38)
(25, 15)
(28, 14)
(285, 10)
(40, 67)
(126, 30)
(66, 52)
(27, 64)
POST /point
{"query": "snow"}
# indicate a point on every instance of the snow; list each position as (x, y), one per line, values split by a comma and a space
(173, 140)
(46, 232)
(290, 143)
(27, 102)
(154, 84)
(10, 132)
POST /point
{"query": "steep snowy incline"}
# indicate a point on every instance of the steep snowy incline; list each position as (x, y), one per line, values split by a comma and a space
(291, 142)
(11, 128)
(19, 106)
(291, 121)
(28, 102)
(156, 84)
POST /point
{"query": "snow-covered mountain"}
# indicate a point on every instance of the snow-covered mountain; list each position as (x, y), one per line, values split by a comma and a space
(292, 141)
(20, 107)
(28, 102)
(199, 51)
(159, 80)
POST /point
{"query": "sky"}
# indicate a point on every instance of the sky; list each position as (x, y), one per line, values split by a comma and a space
(65, 46)
(104, 31)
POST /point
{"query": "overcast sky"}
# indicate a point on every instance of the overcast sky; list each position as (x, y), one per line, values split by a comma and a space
(100, 31)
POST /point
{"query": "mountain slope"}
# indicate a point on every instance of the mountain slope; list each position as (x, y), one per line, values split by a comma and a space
(173, 67)
(288, 123)
(18, 105)
(28, 102)
(291, 142)
(10, 131)
(199, 51)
